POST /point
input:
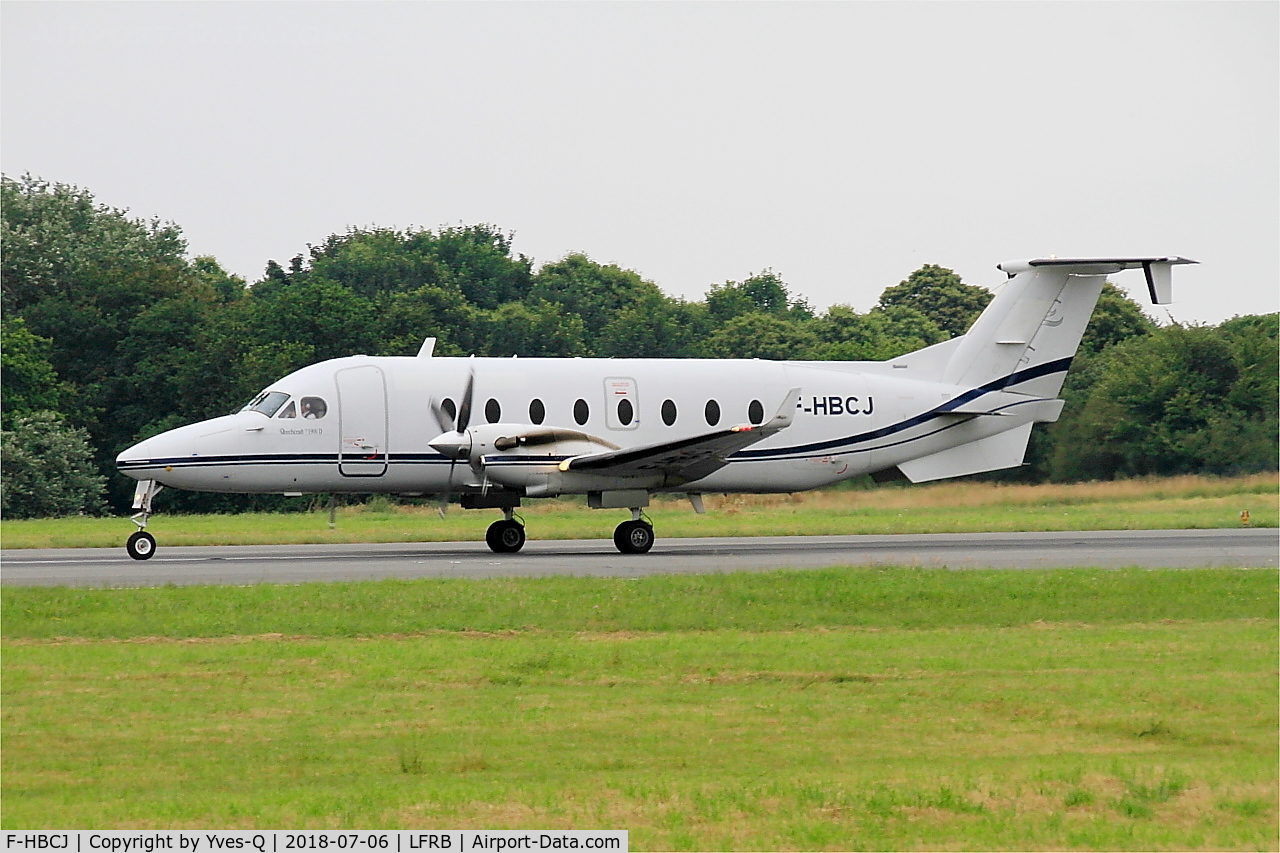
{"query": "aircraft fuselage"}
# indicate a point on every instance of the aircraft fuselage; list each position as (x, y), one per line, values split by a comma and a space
(377, 421)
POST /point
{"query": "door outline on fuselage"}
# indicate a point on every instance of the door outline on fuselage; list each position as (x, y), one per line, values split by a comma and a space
(616, 389)
(362, 421)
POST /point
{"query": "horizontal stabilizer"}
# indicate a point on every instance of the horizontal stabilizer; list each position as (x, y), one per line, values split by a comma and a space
(1025, 338)
(1159, 271)
(1002, 450)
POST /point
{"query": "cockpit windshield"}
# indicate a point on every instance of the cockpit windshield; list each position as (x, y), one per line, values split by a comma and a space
(268, 402)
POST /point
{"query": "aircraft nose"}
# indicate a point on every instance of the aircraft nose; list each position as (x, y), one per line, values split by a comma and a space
(136, 461)
(147, 459)
(175, 458)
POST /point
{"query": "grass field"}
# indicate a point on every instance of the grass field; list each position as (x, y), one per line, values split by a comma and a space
(1167, 503)
(886, 708)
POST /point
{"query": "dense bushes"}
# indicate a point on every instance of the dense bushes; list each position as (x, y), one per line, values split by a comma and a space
(1178, 400)
(108, 323)
(47, 469)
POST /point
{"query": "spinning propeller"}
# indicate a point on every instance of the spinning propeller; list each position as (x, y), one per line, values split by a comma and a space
(455, 441)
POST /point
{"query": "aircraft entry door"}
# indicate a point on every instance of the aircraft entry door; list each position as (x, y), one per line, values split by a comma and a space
(621, 403)
(362, 421)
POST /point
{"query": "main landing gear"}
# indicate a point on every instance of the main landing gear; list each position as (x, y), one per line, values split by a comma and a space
(506, 536)
(634, 536)
(141, 545)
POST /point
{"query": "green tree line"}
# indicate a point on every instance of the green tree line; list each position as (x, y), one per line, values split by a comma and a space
(111, 333)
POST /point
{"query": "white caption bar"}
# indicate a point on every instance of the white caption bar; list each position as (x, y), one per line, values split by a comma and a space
(327, 840)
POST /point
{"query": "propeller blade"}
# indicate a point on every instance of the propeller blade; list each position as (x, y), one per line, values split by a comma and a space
(454, 441)
(464, 410)
(444, 420)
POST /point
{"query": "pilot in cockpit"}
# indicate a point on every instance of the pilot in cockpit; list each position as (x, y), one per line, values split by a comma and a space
(313, 408)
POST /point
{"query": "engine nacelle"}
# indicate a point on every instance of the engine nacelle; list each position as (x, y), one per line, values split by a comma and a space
(524, 456)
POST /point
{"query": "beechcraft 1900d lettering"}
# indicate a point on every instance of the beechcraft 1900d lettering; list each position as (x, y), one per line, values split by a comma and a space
(493, 432)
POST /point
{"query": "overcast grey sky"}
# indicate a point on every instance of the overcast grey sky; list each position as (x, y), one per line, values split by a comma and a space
(841, 144)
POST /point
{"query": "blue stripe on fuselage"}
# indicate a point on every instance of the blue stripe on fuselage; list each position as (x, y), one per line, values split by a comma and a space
(825, 447)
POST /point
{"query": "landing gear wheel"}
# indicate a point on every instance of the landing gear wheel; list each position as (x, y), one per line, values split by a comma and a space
(505, 536)
(633, 537)
(141, 545)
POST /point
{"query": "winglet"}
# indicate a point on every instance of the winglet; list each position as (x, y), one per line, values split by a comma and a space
(781, 420)
(786, 412)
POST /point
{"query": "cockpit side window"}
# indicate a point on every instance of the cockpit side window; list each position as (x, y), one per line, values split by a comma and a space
(314, 408)
(268, 402)
(289, 411)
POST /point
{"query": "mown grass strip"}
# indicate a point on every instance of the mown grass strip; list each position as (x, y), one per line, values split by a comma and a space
(1121, 736)
(835, 709)
(1158, 503)
(879, 597)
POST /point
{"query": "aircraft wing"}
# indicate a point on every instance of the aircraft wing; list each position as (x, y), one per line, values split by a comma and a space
(685, 459)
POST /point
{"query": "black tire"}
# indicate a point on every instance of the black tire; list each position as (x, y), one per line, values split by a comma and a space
(505, 537)
(633, 537)
(141, 545)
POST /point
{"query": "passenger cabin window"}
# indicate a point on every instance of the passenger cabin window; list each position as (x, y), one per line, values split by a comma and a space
(289, 411)
(712, 413)
(625, 411)
(755, 412)
(669, 412)
(450, 408)
(313, 408)
(268, 402)
(581, 412)
(492, 411)
(537, 411)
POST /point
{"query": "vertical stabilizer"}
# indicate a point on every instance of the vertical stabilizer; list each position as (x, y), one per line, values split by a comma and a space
(1027, 336)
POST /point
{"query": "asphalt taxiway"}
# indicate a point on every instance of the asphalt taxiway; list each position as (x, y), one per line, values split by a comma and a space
(251, 564)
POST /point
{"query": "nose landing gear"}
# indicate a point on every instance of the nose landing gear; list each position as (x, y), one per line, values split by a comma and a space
(141, 545)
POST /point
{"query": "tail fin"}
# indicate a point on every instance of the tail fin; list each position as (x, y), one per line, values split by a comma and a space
(1029, 333)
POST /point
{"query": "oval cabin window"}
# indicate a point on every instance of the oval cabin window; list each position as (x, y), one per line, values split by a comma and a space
(492, 411)
(755, 412)
(537, 412)
(625, 412)
(712, 412)
(581, 411)
(668, 412)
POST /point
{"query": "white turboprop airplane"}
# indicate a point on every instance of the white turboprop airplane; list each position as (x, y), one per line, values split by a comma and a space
(491, 432)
